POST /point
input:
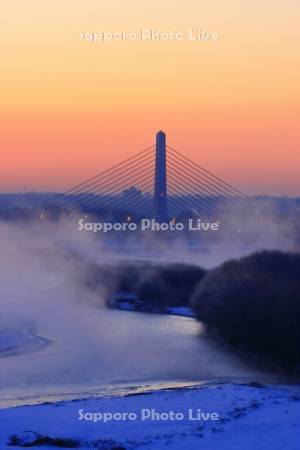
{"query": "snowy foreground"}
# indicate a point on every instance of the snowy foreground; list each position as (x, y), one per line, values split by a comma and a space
(250, 417)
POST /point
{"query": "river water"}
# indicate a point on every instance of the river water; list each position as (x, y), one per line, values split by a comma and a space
(109, 352)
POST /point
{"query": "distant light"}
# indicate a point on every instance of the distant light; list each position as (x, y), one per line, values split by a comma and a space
(42, 216)
(128, 218)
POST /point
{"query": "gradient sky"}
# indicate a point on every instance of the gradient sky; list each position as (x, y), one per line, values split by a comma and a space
(71, 108)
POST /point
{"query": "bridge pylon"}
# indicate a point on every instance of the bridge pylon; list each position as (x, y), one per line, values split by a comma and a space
(160, 181)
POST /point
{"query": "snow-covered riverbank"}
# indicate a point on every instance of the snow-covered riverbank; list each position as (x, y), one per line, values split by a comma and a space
(18, 337)
(250, 417)
(126, 301)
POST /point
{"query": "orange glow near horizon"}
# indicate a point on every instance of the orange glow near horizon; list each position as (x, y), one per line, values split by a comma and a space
(71, 108)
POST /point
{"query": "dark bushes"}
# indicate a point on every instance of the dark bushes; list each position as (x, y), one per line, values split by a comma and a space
(159, 284)
(254, 302)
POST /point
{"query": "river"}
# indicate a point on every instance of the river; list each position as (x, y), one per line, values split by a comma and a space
(109, 352)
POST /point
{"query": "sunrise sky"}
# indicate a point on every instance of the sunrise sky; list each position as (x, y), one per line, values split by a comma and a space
(70, 108)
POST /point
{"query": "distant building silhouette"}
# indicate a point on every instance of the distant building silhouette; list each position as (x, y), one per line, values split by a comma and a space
(132, 193)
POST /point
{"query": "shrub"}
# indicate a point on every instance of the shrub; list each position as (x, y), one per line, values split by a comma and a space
(254, 302)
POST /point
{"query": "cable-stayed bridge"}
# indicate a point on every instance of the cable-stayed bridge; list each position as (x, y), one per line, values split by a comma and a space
(158, 182)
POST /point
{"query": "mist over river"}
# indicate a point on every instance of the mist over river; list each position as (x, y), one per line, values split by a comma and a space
(134, 351)
(59, 341)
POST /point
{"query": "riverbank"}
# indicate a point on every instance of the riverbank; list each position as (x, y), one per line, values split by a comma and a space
(249, 416)
(127, 301)
(20, 338)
